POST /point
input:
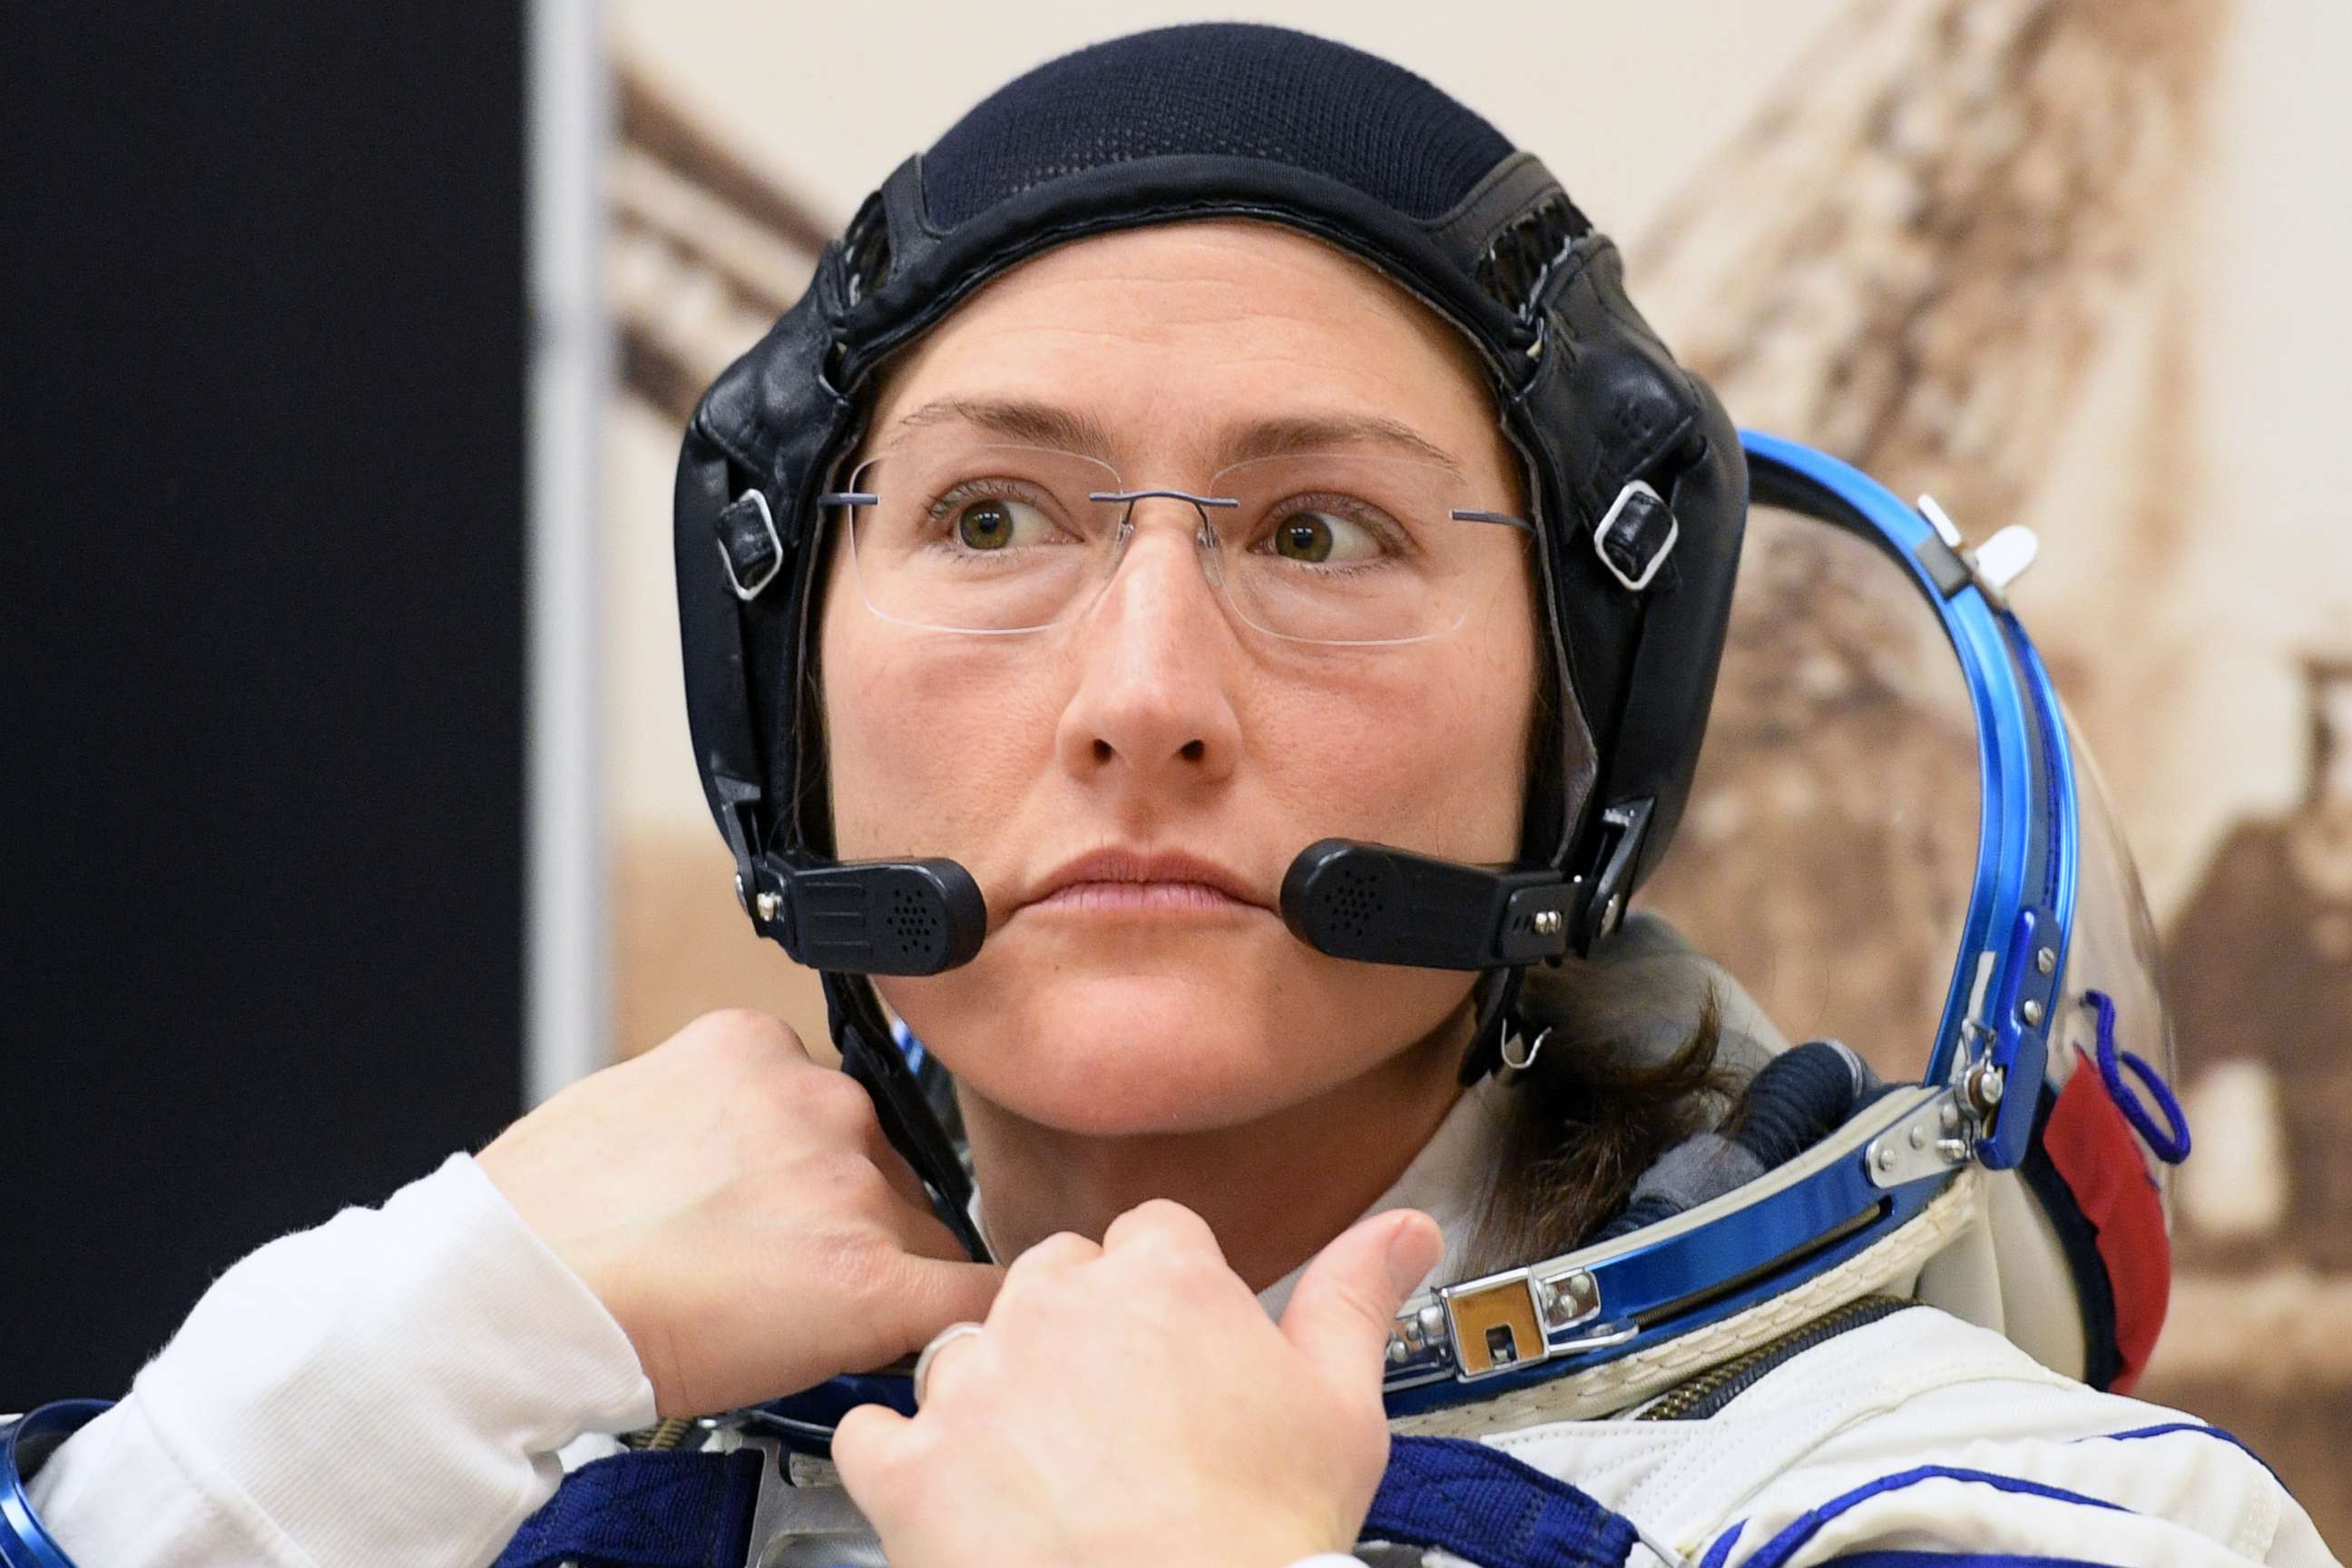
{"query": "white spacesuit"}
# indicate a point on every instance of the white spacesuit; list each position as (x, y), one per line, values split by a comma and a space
(435, 1350)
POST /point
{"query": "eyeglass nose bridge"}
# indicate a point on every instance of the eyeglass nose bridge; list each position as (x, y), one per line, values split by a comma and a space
(1204, 538)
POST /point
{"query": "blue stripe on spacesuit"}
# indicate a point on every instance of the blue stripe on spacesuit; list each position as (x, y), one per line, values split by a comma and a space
(2201, 1429)
(1958, 1560)
(1776, 1552)
(1782, 1547)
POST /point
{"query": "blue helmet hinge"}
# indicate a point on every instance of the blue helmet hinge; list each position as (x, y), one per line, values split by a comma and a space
(2004, 1082)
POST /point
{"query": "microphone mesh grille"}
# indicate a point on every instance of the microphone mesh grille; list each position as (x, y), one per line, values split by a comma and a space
(1355, 905)
(911, 921)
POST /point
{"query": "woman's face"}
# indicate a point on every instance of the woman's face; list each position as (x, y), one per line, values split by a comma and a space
(1158, 723)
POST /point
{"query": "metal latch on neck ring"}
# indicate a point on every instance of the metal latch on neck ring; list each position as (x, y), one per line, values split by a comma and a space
(1482, 1327)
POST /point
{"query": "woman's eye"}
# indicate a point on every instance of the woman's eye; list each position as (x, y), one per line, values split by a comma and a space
(996, 522)
(1320, 538)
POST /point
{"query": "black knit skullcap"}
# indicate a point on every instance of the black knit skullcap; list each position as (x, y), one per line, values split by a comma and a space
(1232, 90)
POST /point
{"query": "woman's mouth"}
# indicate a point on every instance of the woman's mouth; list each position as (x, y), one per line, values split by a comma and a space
(1125, 881)
(1140, 897)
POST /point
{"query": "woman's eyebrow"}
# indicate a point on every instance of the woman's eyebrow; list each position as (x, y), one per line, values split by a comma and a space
(1046, 425)
(1032, 424)
(1278, 436)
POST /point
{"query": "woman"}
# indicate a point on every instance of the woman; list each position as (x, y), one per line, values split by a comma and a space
(1162, 534)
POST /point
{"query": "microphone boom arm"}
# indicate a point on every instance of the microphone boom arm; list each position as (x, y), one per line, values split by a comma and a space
(1379, 905)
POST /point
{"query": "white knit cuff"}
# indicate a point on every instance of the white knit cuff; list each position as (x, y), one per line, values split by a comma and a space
(393, 1386)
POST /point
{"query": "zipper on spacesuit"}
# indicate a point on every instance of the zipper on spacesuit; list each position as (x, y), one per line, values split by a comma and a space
(1710, 1391)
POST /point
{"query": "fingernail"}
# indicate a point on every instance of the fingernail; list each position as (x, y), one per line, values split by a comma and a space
(1414, 1251)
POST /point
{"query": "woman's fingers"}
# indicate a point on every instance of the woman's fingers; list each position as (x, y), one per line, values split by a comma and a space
(1347, 1301)
(930, 1293)
(1063, 1249)
(866, 1448)
(945, 1360)
(1100, 1365)
(1161, 1225)
(893, 1165)
(737, 1209)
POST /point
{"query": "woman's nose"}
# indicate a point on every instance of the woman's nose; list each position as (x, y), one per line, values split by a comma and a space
(1156, 654)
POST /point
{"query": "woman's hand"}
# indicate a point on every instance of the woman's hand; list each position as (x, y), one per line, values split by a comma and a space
(1131, 1404)
(737, 1209)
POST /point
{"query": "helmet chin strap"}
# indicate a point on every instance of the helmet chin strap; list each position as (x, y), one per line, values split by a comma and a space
(1368, 902)
(871, 1055)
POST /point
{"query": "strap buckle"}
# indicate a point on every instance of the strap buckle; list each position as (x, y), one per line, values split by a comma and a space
(738, 533)
(1637, 535)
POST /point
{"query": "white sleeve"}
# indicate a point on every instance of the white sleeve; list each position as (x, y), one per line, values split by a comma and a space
(391, 1387)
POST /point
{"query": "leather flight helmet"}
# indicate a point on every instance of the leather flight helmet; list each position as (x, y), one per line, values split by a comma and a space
(1634, 473)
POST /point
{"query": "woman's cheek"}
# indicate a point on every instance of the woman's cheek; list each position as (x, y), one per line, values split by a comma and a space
(1428, 758)
(935, 756)
(1477, 710)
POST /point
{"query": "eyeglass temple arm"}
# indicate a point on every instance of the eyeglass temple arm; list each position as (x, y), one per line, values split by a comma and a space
(1461, 514)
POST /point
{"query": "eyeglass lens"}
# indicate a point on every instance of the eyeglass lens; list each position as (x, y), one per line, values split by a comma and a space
(1337, 547)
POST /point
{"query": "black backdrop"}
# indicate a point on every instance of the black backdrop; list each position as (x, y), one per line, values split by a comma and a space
(262, 412)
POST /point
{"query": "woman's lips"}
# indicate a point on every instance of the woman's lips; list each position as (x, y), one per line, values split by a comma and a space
(1134, 882)
(1142, 898)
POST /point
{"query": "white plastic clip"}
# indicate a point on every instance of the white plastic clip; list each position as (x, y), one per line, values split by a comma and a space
(1609, 522)
(1941, 522)
(2002, 559)
(1992, 565)
(747, 592)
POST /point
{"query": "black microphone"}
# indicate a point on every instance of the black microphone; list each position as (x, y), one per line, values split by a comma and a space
(1342, 897)
(872, 917)
(1379, 905)
(1347, 899)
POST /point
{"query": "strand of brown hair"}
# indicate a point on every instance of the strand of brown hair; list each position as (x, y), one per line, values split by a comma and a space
(1587, 1118)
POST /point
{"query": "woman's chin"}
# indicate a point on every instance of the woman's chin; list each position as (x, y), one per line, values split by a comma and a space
(1131, 1054)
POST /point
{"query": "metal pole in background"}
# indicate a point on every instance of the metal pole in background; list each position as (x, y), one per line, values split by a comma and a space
(567, 975)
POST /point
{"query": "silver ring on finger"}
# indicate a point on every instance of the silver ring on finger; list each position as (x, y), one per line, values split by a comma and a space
(940, 1342)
